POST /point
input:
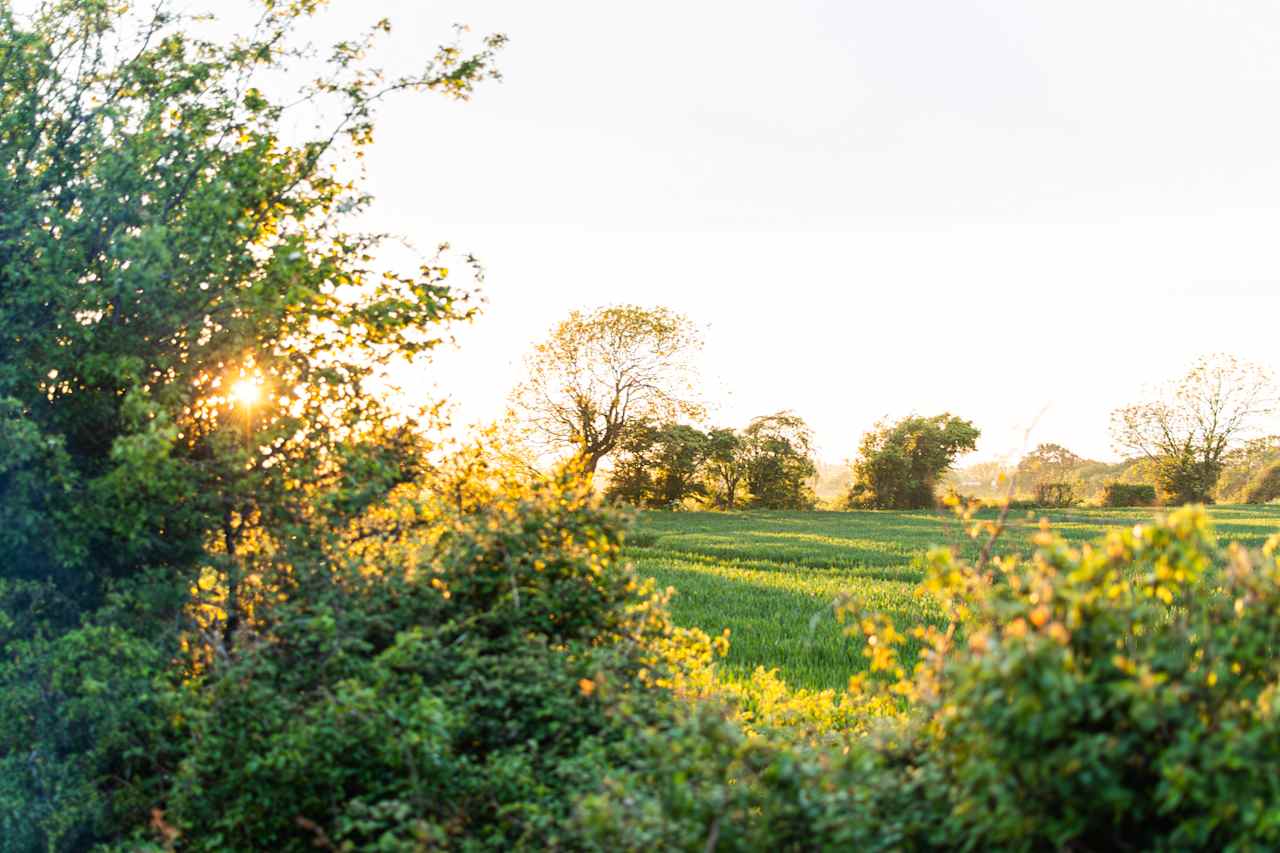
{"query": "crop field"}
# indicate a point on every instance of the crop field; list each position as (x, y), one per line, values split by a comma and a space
(770, 577)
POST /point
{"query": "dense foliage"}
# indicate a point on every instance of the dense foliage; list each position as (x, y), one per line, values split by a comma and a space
(767, 465)
(777, 458)
(899, 465)
(1121, 695)
(1129, 494)
(1055, 495)
(161, 240)
(659, 466)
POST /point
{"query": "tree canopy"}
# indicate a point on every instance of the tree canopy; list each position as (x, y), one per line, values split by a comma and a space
(899, 464)
(162, 239)
(1188, 427)
(598, 372)
(777, 461)
(659, 466)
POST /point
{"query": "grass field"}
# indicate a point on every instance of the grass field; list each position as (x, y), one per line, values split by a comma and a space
(770, 577)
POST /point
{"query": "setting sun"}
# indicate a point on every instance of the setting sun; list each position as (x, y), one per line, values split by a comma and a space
(246, 392)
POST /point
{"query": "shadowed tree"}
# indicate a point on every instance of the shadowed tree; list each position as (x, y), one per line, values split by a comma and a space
(725, 467)
(900, 464)
(777, 454)
(1188, 427)
(658, 466)
(599, 372)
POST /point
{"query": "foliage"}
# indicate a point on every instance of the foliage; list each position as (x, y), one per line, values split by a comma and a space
(1246, 464)
(725, 467)
(777, 462)
(1048, 463)
(162, 239)
(1266, 487)
(1188, 428)
(659, 466)
(465, 697)
(597, 373)
(1129, 494)
(1055, 495)
(81, 713)
(770, 577)
(1122, 691)
(899, 464)
(1121, 694)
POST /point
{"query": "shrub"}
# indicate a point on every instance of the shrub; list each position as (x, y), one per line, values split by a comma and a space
(1120, 693)
(1055, 495)
(1265, 487)
(469, 702)
(81, 721)
(1118, 696)
(1129, 494)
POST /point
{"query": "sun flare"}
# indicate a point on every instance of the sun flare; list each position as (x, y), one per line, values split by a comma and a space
(246, 392)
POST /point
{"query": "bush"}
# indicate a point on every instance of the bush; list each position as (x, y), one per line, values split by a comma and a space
(1265, 487)
(81, 721)
(467, 703)
(1129, 494)
(1056, 495)
(1119, 696)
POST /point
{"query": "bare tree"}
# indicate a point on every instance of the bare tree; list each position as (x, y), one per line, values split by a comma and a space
(1189, 426)
(600, 371)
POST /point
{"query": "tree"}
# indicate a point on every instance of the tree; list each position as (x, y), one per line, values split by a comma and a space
(1188, 427)
(599, 372)
(658, 466)
(188, 326)
(725, 467)
(187, 320)
(777, 462)
(1048, 463)
(899, 464)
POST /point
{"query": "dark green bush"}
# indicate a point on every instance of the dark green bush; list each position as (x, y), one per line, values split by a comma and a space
(1129, 494)
(81, 721)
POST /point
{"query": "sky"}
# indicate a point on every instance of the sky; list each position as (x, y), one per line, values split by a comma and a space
(1019, 212)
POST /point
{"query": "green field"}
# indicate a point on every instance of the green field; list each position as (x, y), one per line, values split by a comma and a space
(770, 577)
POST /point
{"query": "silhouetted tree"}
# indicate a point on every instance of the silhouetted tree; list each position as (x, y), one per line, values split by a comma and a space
(601, 371)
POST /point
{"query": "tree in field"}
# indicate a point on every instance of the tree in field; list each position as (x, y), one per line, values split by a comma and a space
(1048, 463)
(900, 464)
(186, 317)
(725, 467)
(658, 466)
(777, 462)
(599, 372)
(1189, 427)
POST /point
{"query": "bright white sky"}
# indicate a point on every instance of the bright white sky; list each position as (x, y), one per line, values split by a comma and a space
(872, 208)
